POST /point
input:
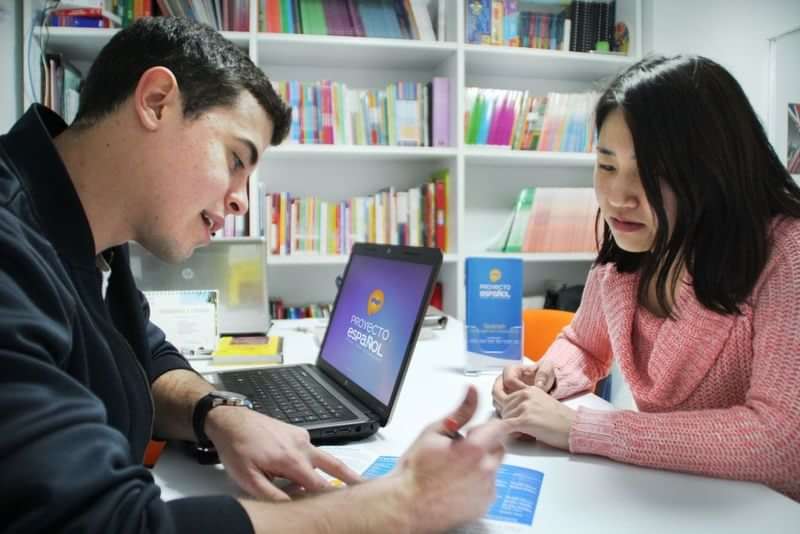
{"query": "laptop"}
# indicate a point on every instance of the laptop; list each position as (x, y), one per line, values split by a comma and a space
(236, 269)
(353, 387)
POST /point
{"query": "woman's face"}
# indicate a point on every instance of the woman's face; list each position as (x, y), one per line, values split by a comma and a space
(619, 190)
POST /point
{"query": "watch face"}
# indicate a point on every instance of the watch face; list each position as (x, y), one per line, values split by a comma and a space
(229, 395)
(229, 398)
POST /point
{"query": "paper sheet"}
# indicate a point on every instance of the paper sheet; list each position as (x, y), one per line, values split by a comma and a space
(517, 491)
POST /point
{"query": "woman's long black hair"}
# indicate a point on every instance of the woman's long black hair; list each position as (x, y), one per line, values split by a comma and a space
(693, 128)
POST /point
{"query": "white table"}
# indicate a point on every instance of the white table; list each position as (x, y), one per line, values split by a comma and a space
(578, 494)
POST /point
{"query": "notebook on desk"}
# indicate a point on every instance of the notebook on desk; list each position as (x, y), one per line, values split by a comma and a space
(353, 387)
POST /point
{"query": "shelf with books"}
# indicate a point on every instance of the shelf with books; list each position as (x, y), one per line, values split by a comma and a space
(413, 19)
(316, 283)
(501, 156)
(305, 221)
(352, 52)
(484, 182)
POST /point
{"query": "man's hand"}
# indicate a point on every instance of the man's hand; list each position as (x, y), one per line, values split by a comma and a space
(452, 481)
(255, 448)
(518, 377)
(534, 413)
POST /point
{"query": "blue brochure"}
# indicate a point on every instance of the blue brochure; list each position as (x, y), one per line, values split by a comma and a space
(494, 308)
(517, 490)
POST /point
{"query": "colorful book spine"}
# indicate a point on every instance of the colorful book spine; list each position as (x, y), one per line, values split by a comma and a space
(315, 226)
(75, 21)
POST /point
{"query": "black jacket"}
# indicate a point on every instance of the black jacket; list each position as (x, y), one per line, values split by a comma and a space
(76, 411)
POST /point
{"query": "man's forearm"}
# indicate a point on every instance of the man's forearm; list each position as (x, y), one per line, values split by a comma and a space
(383, 505)
(175, 394)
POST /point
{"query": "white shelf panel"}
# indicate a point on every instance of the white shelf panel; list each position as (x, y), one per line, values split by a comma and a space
(311, 259)
(540, 257)
(351, 52)
(355, 152)
(82, 44)
(506, 61)
(492, 157)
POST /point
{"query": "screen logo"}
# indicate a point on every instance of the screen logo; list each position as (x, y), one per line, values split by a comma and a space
(375, 302)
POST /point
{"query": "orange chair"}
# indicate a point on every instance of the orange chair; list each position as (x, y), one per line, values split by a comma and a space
(540, 328)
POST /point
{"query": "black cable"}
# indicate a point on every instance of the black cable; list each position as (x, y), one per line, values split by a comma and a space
(40, 20)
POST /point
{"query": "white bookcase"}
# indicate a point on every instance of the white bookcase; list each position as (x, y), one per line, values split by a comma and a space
(484, 181)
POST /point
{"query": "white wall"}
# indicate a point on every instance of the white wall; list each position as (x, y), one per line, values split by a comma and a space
(10, 61)
(734, 33)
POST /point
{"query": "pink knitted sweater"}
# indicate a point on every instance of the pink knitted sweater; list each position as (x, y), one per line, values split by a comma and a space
(718, 395)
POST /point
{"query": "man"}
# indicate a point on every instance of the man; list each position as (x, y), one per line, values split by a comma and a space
(172, 121)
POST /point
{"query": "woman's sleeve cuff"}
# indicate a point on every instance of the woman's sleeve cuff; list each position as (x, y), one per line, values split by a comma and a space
(592, 432)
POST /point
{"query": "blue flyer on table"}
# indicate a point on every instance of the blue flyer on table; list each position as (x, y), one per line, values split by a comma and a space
(494, 307)
(517, 490)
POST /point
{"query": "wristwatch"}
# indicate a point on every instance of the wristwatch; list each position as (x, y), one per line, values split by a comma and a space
(208, 403)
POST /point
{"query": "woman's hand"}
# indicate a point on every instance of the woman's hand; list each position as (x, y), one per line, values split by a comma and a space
(532, 412)
(518, 377)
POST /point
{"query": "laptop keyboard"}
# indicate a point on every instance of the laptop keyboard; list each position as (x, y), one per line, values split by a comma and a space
(289, 394)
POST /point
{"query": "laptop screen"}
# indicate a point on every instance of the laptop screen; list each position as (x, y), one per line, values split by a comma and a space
(373, 322)
(236, 269)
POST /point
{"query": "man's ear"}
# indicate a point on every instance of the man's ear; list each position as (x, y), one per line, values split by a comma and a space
(156, 93)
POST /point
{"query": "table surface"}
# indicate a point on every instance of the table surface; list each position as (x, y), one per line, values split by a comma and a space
(578, 491)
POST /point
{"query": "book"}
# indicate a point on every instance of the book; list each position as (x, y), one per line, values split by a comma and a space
(562, 219)
(522, 213)
(422, 18)
(441, 180)
(248, 349)
(440, 118)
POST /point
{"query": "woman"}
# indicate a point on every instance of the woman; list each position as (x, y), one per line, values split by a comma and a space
(696, 289)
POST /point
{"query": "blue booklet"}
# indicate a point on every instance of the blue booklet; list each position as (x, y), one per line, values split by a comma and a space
(494, 309)
(517, 490)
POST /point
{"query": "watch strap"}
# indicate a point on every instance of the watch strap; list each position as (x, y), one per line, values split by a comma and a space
(199, 416)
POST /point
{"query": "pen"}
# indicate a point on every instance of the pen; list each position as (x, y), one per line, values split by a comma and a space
(451, 427)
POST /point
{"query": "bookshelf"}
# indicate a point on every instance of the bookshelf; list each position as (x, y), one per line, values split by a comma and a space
(484, 182)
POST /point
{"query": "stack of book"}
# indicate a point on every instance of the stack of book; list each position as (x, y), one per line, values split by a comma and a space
(224, 15)
(592, 22)
(251, 224)
(312, 226)
(551, 219)
(404, 114)
(522, 121)
(547, 24)
(230, 15)
(393, 19)
(83, 17)
(518, 23)
(277, 310)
